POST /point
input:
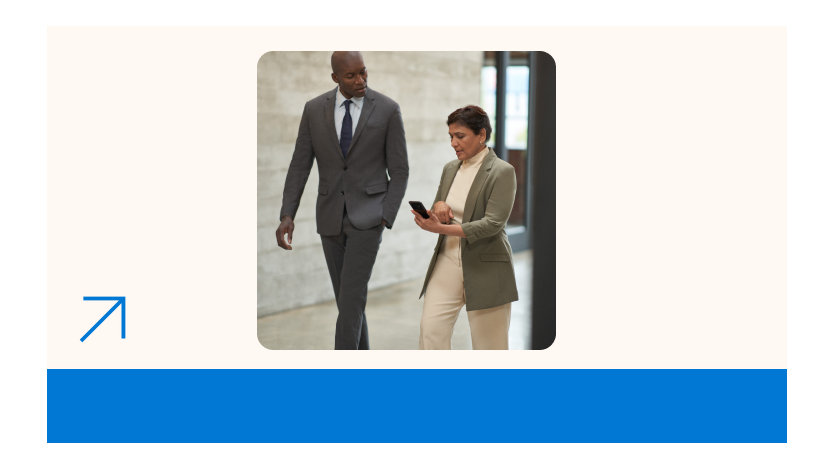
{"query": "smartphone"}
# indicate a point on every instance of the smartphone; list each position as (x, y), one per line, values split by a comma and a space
(418, 206)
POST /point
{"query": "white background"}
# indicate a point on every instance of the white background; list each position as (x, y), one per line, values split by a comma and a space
(23, 191)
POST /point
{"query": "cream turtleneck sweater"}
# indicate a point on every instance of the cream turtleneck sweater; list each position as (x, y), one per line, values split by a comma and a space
(456, 199)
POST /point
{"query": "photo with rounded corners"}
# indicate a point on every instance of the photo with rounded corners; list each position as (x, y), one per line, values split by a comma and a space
(347, 142)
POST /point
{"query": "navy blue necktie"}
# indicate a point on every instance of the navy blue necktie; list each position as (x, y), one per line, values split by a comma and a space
(347, 130)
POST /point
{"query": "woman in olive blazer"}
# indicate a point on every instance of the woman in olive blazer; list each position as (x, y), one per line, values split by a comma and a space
(471, 240)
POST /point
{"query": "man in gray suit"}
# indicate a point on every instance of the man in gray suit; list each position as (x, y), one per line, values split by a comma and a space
(356, 137)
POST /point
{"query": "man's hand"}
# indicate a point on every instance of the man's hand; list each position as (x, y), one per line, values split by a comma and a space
(286, 228)
(443, 212)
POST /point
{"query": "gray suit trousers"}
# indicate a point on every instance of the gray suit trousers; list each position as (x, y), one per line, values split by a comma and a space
(350, 258)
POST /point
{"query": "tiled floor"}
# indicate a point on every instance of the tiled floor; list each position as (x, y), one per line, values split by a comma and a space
(393, 315)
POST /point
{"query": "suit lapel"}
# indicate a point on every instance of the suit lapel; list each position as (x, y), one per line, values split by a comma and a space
(330, 119)
(367, 109)
(478, 185)
(446, 180)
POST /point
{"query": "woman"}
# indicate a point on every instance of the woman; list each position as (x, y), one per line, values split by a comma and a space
(472, 262)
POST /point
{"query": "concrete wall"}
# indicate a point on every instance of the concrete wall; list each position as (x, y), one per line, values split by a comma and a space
(428, 86)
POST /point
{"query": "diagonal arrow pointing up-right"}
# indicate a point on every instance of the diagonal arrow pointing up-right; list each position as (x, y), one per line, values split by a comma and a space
(119, 301)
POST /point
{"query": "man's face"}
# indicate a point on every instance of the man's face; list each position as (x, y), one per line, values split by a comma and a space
(351, 76)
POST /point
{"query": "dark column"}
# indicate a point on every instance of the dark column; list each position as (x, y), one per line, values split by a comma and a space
(543, 201)
(502, 60)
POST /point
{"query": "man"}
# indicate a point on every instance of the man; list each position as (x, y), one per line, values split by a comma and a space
(356, 137)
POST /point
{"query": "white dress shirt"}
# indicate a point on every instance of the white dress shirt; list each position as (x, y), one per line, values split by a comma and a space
(355, 112)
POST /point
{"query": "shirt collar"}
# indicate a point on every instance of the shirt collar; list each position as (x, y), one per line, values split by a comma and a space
(476, 159)
(340, 98)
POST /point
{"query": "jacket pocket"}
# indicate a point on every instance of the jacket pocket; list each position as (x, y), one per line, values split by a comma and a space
(376, 188)
(500, 257)
(323, 190)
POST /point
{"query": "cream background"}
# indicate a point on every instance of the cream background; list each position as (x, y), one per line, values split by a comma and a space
(670, 182)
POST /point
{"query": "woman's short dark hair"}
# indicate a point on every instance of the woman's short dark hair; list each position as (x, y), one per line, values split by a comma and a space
(472, 117)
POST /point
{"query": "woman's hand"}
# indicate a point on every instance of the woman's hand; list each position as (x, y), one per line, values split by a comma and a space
(443, 211)
(432, 224)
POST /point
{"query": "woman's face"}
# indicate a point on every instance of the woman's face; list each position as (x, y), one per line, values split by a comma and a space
(465, 142)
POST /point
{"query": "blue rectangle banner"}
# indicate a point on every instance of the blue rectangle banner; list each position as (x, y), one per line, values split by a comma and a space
(416, 405)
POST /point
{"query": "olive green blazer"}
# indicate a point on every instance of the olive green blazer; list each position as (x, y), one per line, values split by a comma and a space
(488, 276)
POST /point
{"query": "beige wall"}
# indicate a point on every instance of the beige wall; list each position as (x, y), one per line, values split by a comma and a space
(428, 86)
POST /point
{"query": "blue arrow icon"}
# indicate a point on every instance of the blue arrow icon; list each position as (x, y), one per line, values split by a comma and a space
(119, 301)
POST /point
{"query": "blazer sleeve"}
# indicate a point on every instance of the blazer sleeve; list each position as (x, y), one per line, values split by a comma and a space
(396, 161)
(498, 207)
(300, 165)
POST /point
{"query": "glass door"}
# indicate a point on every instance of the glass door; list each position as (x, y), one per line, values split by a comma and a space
(505, 96)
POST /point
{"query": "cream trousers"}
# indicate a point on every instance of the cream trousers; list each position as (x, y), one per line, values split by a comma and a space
(443, 300)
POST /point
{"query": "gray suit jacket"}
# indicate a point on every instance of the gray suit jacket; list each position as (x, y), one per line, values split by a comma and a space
(486, 255)
(358, 182)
